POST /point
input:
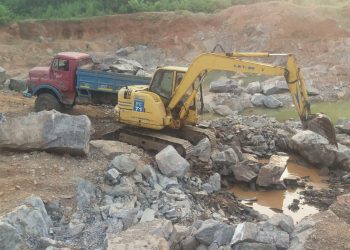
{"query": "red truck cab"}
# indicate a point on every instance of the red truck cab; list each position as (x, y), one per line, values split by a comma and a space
(54, 86)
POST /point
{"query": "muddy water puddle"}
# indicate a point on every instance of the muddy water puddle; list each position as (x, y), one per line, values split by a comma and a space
(277, 201)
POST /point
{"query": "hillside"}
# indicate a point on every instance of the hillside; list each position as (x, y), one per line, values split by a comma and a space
(319, 36)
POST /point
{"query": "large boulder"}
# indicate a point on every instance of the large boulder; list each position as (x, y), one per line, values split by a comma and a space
(113, 148)
(223, 110)
(125, 163)
(258, 99)
(245, 232)
(317, 150)
(253, 88)
(282, 221)
(27, 220)
(18, 85)
(323, 230)
(223, 85)
(125, 51)
(342, 207)
(270, 234)
(271, 102)
(226, 157)
(202, 150)
(170, 163)
(343, 125)
(3, 75)
(246, 170)
(274, 86)
(205, 234)
(271, 173)
(156, 234)
(46, 130)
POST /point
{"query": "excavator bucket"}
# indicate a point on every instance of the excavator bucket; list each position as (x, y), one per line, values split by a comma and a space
(321, 124)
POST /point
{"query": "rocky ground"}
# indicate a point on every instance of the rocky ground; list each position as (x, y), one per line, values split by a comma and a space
(115, 191)
(62, 187)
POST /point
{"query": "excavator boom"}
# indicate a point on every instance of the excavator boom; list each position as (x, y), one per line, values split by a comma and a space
(233, 62)
(169, 103)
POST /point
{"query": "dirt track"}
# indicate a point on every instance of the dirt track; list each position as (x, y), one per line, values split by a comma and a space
(47, 175)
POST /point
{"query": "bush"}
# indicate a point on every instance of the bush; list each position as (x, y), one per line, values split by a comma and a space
(5, 14)
(48, 9)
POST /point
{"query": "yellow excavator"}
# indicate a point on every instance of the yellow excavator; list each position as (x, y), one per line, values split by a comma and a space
(166, 112)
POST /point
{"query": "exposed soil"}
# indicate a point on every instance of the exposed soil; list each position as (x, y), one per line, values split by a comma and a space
(319, 36)
(48, 175)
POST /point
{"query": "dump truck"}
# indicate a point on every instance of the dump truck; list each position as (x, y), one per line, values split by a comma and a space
(72, 78)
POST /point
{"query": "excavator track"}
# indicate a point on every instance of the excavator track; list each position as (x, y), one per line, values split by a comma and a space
(193, 134)
(153, 141)
(182, 140)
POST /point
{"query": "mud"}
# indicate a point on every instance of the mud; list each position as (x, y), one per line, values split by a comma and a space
(269, 202)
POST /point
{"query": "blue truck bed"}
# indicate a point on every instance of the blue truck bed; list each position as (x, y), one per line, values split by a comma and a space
(94, 83)
(96, 80)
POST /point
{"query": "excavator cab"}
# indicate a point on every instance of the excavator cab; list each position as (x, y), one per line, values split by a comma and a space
(165, 82)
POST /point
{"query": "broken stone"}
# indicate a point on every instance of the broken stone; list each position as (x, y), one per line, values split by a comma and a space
(125, 51)
(3, 75)
(317, 150)
(18, 85)
(342, 207)
(156, 234)
(271, 173)
(29, 219)
(170, 163)
(112, 175)
(148, 215)
(274, 86)
(189, 243)
(46, 130)
(270, 234)
(271, 102)
(223, 85)
(254, 87)
(245, 231)
(85, 194)
(344, 127)
(283, 221)
(258, 99)
(246, 170)
(227, 156)
(112, 149)
(215, 181)
(125, 163)
(254, 246)
(203, 150)
(223, 110)
(205, 234)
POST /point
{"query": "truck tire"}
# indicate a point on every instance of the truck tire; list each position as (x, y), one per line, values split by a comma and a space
(47, 101)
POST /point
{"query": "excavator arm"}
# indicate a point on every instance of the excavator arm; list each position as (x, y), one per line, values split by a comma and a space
(233, 62)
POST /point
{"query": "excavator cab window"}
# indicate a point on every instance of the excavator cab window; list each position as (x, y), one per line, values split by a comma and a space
(162, 83)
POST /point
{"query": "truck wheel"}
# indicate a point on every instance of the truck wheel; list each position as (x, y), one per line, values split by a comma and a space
(47, 101)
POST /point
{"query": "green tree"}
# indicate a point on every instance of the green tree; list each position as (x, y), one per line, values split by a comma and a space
(5, 14)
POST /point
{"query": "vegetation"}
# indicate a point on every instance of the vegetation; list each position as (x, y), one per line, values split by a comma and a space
(53, 9)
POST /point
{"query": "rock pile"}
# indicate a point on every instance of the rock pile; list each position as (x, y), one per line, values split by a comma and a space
(29, 220)
(229, 94)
